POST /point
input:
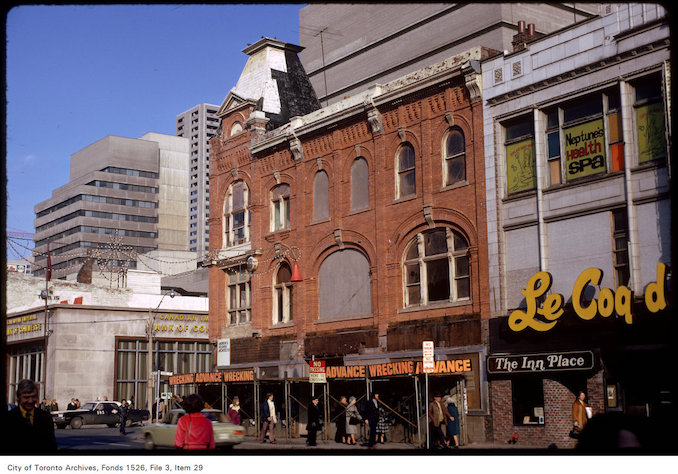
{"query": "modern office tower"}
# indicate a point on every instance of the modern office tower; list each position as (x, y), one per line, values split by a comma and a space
(198, 124)
(350, 47)
(126, 196)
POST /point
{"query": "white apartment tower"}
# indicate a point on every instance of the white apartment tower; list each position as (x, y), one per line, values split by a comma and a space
(198, 124)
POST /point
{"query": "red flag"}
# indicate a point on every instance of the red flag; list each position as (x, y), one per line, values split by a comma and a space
(48, 275)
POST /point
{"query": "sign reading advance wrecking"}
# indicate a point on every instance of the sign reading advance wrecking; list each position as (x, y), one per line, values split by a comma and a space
(213, 377)
(547, 362)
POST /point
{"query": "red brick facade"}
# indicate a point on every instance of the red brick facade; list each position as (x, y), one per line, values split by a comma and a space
(381, 232)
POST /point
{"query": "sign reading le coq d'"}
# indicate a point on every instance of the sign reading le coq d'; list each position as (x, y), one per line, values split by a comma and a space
(608, 302)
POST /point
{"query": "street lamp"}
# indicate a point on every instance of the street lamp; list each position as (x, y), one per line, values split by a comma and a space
(149, 361)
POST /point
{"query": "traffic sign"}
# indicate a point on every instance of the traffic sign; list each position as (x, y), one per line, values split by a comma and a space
(316, 371)
(429, 364)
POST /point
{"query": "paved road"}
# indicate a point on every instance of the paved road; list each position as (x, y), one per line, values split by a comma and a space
(99, 437)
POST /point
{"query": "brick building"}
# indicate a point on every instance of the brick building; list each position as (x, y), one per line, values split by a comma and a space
(351, 234)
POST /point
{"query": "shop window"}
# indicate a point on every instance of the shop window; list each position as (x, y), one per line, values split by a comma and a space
(620, 250)
(615, 134)
(436, 268)
(455, 157)
(553, 146)
(239, 296)
(649, 116)
(321, 198)
(344, 285)
(406, 179)
(236, 215)
(521, 171)
(528, 401)
(283, 302)
(280, 207)
(360, 193)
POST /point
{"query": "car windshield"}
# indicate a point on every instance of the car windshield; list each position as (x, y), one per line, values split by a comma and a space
(88, 406)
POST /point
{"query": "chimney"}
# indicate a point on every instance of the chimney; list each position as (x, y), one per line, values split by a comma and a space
(524, 35)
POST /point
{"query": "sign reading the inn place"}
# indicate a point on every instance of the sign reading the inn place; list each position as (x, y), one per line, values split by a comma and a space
(549, 362)
(608, 302)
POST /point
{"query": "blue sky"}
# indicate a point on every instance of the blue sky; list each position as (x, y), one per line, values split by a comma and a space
(78, 73)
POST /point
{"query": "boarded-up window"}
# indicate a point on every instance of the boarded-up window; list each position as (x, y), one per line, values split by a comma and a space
(360, 192)
(321, 198)
(344, 285)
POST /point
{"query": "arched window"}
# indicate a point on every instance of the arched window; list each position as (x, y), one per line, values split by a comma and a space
(236, 215)
(236, 128)
(280, 207)
(360, 189)
(455, 157)
(321, 198)
(344, 285)
(406, 184)
(283, 301)
(436, 268)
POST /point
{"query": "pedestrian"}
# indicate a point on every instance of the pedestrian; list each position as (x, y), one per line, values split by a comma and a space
(234, 411)
(353, 419)
(30, 429)
(123, 412)
(579, 414)
(452, 423)
(55, 405)
(340, 416)
(161, 409)
(131, 401)
(436, 420)
(72, 405)
(382, 423)
(313, 421)
(268, 419)
(194, 431)
(372, 419)
(44, 405)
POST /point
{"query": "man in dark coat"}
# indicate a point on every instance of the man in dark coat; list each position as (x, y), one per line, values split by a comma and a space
(123, 416)
(313, 421)
(372, 418)
(31, 429)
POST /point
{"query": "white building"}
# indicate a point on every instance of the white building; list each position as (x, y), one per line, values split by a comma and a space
(577, 140)
(198, 124)
(94, 341)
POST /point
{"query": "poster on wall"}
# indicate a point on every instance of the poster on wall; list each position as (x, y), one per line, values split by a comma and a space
(651, 141)
(223, 352)
(585, 149)
(521, 172)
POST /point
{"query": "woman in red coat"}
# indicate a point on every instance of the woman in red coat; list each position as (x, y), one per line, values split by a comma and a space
(194, 431)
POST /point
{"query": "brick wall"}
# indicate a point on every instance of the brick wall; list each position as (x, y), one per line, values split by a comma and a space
(558, 401)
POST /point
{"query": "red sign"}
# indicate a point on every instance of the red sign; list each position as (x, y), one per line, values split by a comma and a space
(428, 353)
(316, 371)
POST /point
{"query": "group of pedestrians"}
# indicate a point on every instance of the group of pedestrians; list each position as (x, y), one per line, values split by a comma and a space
(443, 417)
(350, 418)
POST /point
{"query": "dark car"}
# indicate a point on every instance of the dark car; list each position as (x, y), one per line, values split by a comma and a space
(97, 413)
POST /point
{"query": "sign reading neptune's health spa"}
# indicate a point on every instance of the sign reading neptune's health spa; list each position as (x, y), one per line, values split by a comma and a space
(620, 302)
(585, 149)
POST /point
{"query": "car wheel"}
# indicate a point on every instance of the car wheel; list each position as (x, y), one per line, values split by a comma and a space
(148, 441)
(76, 423)
(128, 423)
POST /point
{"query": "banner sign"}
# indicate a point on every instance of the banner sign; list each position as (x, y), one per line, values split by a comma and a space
(585, 149)
(410, 367)
(651, 129)
(213, 377)
(548, 362)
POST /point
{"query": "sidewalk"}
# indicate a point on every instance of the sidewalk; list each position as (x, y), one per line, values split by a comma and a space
(295, 444)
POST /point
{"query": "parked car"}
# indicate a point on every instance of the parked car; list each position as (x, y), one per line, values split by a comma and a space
(96, 413)
(161, 434)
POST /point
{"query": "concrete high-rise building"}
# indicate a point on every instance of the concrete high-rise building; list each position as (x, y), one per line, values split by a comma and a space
(198, 125)
(350, 47)
(125, 197)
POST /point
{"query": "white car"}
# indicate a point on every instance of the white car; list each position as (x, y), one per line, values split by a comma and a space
(161, 434)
